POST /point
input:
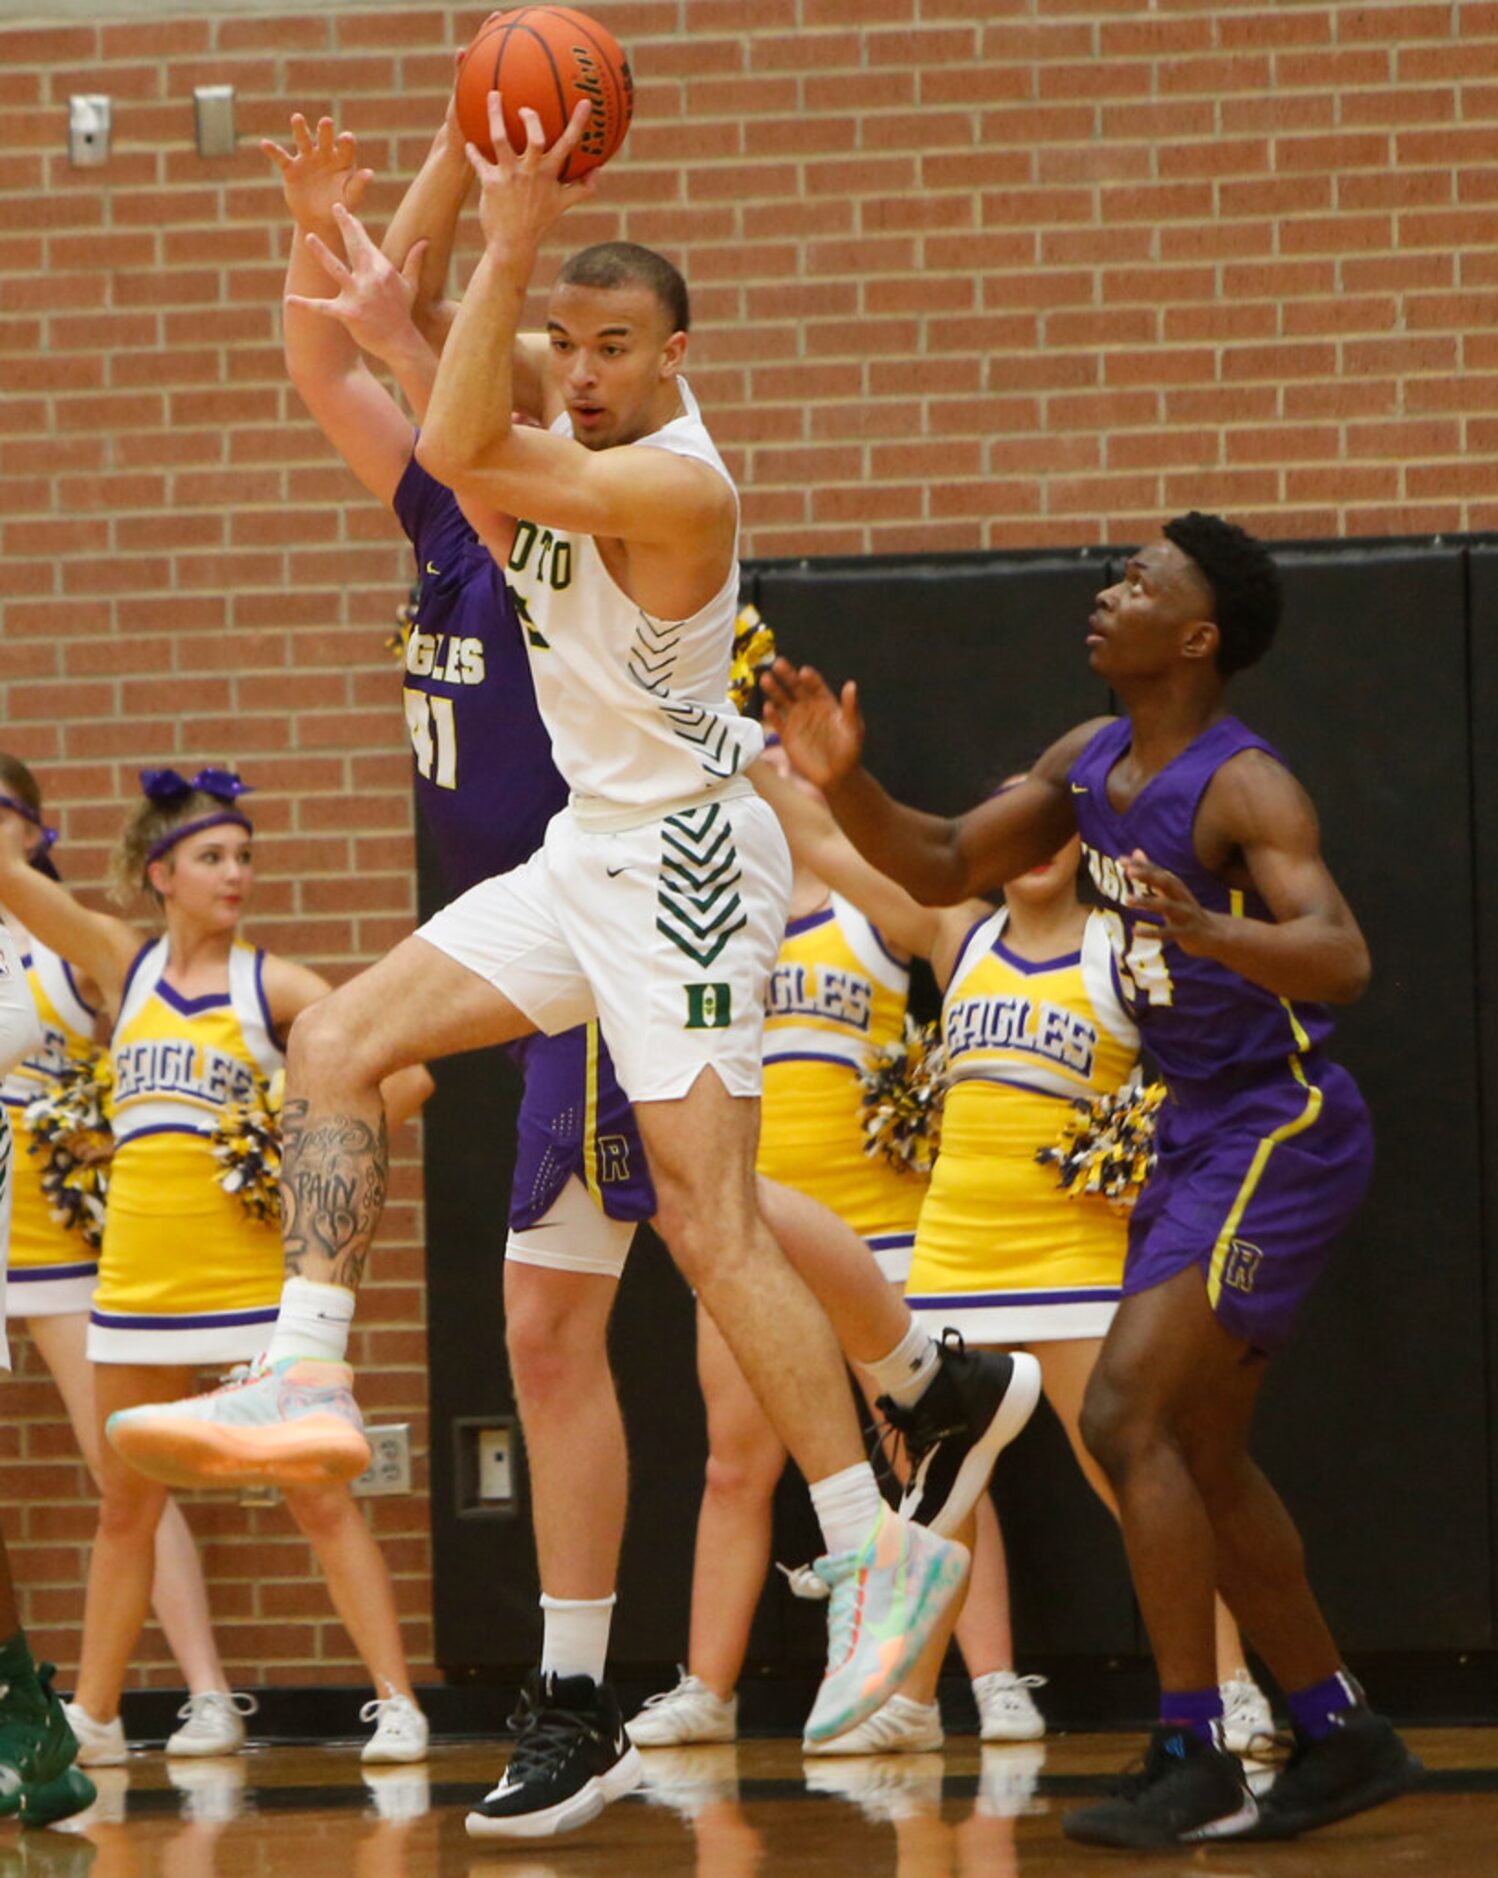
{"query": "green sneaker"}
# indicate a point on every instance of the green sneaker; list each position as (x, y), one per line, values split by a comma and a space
(38, 1780)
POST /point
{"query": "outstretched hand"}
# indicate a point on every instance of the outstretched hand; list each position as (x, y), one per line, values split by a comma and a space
(523, 195)
(1164, 899)
(822, 733)
(320, 173)
(374, 298)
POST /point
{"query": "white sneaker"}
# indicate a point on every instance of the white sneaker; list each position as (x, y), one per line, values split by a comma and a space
(100, 1744)
(900, 1727)
(1006, 1708)
(804, 1582)
(293, 1423)
(687, 1714)
(1246, 1714)
(402, 1731)
(212, 1723)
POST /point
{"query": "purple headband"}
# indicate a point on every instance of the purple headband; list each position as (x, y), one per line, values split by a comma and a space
(165, 786)
(29, 814)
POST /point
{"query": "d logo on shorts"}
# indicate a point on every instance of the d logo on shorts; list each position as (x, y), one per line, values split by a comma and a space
(709, 1007)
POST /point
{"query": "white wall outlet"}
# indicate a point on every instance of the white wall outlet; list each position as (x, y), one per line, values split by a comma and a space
(496, 1471)
(89, 115)
(389, 1470)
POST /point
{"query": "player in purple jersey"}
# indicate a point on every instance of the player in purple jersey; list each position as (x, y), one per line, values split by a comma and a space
(1230, 937)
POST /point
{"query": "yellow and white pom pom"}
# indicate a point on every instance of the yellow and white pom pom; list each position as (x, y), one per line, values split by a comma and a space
(903, 1087)
(246, 1143)
(753, 653)
(1107, 1146)
(69, 1127)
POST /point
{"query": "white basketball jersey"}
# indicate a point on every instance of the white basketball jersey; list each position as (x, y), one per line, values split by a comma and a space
(637, 707)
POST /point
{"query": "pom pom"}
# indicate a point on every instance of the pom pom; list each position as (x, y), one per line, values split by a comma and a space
(903, 1086)
(405, 619)
(753, 653)
(246, 1143)
(1107, 1146)
(69, 1126)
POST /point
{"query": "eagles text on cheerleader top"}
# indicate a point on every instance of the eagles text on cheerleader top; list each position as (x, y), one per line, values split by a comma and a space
(1207, 1027)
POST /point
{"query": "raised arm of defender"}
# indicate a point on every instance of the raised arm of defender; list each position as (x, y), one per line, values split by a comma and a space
(938, 859)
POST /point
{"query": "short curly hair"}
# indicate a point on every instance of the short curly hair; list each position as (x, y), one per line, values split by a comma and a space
(1244, 582)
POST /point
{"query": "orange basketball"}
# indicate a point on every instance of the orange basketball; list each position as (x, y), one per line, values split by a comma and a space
(548, 58)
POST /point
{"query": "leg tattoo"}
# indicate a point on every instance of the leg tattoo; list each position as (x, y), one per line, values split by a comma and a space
(333, 1178)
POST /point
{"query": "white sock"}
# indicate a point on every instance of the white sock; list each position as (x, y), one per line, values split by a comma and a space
(906, 1372)
(848, 1506)
(313, 1321)
(575, 1636)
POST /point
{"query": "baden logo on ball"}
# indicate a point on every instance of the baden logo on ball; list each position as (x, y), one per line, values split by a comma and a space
(547, 59)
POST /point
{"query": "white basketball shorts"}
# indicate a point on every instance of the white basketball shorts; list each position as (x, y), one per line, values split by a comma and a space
(665, 930)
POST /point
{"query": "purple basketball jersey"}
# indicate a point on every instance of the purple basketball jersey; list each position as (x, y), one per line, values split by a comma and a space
(485, 782)
(1208, 1028)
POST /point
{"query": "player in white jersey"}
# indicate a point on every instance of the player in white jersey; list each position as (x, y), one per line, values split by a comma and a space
(657, 904)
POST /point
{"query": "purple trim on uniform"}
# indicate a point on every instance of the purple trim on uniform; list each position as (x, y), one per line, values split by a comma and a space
(967, 940)
(191, 1007)
(808, 1056)
(162, 1128)
(900, 960)
(808, 922)
(1014, 1082)
(26, 961)
(67, 972)
(889, 1241)
(135, 965)
(1031, 966)
(1089, 1294)
(270, 1022)
(38, 1274)
(218, 1320)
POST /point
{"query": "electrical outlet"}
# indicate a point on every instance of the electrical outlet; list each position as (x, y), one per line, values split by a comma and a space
(389, 1470)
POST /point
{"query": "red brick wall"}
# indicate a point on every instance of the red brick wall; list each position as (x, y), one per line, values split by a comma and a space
(968, 273)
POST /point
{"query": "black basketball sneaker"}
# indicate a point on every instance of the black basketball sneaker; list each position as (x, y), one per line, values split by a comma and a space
(1187, 1791)
(572, 1757)
(974, 1406)
(1361, 1763)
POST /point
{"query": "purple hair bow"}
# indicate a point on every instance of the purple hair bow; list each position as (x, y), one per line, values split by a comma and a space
(170, 785)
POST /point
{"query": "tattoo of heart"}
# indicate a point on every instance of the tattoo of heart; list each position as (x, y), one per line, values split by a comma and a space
(334, 1174)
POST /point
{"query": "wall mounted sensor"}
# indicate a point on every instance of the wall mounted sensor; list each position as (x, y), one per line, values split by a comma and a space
(214, 107)
(88, 129)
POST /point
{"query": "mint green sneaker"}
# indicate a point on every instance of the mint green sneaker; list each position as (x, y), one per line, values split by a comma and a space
(294, 1423)
(38, 1780)
(887, 1599)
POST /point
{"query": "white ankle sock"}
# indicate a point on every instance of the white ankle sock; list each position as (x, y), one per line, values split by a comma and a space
(313, 1321)
(575, 1636)
(906, 1372)
(848, 1506)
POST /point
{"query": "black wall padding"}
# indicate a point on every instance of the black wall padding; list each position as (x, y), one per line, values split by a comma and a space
(1376, 1423)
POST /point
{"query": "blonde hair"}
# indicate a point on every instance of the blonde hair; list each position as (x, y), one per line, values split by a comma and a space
(146, 824)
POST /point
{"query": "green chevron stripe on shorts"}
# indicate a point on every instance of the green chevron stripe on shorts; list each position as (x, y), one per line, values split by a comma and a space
(698, 906)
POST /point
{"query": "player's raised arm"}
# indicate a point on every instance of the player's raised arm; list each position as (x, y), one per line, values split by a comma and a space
(1312, 950)
(428, 218)
(938, 859)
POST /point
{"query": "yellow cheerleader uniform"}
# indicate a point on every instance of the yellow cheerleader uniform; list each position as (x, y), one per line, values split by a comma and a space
(52, 1269)
(836, 994)
(185, 1276)
(1002, 1253)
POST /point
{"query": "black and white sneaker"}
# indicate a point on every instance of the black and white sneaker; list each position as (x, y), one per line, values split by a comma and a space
(1361, 1763)
(572, 1757)
(1187, 1791)
(974, 1406)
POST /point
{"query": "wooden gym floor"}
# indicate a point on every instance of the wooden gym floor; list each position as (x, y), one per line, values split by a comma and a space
(723, 1812)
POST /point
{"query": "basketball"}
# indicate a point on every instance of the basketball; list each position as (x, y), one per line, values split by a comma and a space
(548, 58)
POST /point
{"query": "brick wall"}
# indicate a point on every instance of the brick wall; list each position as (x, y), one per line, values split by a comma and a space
(968, 273)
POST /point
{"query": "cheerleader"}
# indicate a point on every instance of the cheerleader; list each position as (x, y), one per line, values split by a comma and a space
(54, 1267)
(187, 1276)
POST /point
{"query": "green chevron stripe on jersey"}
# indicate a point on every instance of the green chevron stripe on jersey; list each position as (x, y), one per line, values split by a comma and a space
(698, 906)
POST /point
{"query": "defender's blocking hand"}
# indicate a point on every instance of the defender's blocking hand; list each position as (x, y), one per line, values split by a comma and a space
(822, 734)
(320, 173)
